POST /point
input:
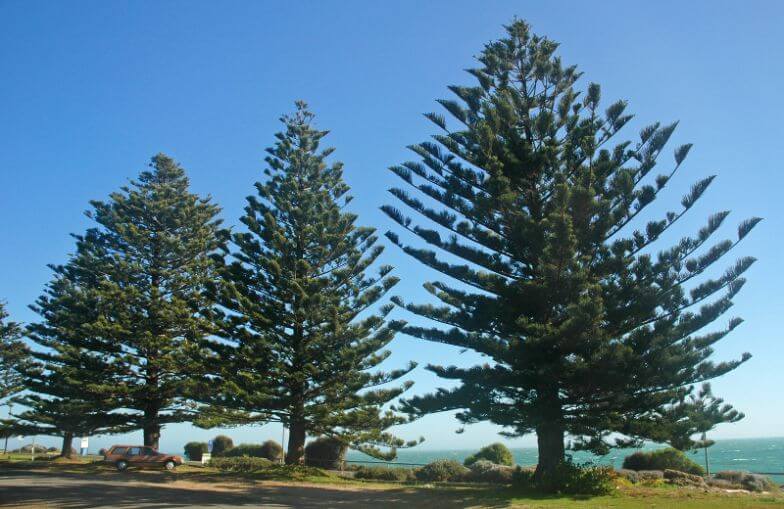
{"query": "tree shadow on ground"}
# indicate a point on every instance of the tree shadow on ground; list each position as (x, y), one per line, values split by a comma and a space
(74, 492)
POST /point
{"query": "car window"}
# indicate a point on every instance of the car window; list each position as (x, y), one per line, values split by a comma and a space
(134, 451)
(148, 451)
(119, 450)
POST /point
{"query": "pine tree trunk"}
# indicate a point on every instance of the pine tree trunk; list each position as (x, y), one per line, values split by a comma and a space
(152, 433)
(295, 453)
(550, 441)
(66, 451)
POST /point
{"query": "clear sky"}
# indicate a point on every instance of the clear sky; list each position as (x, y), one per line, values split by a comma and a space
(89, 91)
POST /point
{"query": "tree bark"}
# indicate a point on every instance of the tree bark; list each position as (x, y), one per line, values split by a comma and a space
(550, 442)
(295, 453)
(66, 451)
(152, 434)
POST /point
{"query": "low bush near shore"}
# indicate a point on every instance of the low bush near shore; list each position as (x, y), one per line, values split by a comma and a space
(489, 472)
(747, 480)
(662, 459)
(570, 479)
(240, 464)
(270, 450)
(496, 453)
(384, 473)
(442, 470)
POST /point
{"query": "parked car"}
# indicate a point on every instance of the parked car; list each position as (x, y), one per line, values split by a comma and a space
(124, 456)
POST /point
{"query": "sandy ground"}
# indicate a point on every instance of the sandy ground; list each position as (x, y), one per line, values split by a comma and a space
(45, 489)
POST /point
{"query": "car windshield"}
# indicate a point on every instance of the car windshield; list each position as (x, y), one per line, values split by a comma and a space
(148, 451)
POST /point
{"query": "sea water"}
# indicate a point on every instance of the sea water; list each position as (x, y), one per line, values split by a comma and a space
(763, 455)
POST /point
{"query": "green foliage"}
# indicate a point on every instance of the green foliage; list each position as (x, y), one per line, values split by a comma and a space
(662, 459)
(384, 473)
(325, 452)
(221, 444)
(589, 326)
(121, 319)
(568, 478)
(488, 472)
(292, 345)
(747, 480)
(441, 471)
(270, 450)
(496, 453)
(13, 353)
(690, 415)
(194, 450)
(240, 464)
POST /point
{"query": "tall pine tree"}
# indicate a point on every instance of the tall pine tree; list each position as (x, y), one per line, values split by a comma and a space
(14, 354)
(125, 313)
(586, 329)
(71, 390)
(300, 338)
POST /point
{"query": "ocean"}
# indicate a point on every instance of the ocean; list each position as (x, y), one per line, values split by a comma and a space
(763, 455)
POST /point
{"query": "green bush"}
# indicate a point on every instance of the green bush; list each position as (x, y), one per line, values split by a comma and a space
(568, 478)
(489, 472)
(662, 459)
(325, 452)
(271, 450)
(221, 444)
(441, 470)
(384, 473)
(496, 453)
(244, 450)
(747, 480)
(194, 450)
(240, 464)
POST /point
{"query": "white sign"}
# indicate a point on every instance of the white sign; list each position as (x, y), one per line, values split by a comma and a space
(85, 441)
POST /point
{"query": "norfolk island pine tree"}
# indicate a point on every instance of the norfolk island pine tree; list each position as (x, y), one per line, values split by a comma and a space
(120, 318)
(300, 336)
(13, 354)
(589, 334)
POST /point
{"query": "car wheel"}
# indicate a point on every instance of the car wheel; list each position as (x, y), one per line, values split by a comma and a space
(121, 465)
(169, 465)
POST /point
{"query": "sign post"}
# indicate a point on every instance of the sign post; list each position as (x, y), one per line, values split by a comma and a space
(84, 445)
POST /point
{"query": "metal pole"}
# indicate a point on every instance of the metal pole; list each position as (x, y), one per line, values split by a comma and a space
(283, 441)
(32, 450)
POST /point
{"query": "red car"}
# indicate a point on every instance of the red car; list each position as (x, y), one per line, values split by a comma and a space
(124, 456)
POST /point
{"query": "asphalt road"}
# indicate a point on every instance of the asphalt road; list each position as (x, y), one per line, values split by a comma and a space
(44, 489)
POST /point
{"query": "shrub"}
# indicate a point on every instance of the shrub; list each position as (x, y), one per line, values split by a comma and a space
(271, 450)
(102, 452)
(569, 478)
(194, 450)
(325, 452)
(496, 453)
(641, 476)
(384, 473)
(489, 472)
(244, 450)
(679, 478)
(662, 459)
(747, 480)
(240, 464)
(441, 470)
(221, 444)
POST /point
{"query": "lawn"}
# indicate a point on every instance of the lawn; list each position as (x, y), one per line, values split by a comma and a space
(309, 482)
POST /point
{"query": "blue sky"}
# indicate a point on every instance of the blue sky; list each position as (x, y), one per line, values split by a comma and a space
(91, 90)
